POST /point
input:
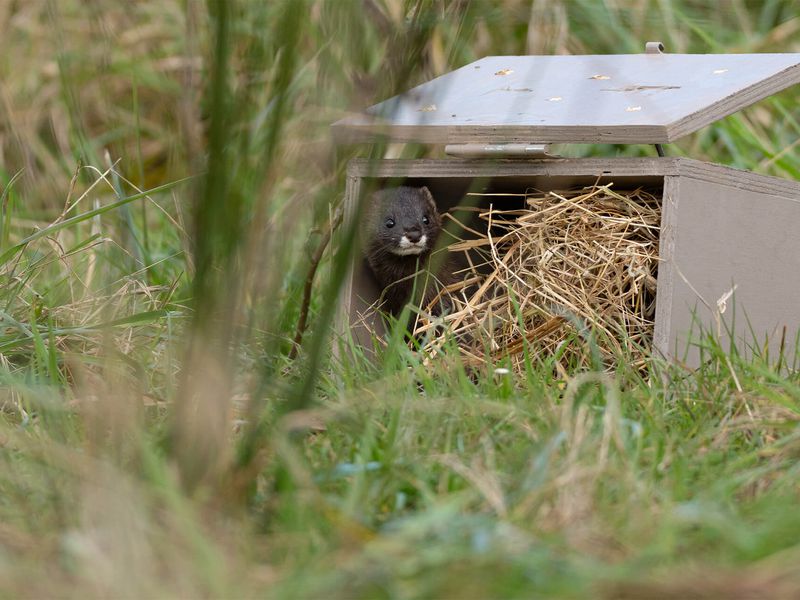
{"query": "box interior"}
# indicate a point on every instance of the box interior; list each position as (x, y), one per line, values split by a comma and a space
(451, 192)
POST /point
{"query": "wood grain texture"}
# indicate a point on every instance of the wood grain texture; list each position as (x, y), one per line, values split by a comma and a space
(567, 167)
(745, 180)
(456, 167)
(626, 98)
(663, 334)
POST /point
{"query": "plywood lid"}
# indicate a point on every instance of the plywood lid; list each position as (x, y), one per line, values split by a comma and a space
(624, 98)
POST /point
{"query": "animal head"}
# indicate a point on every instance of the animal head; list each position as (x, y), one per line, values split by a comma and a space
(404, 220)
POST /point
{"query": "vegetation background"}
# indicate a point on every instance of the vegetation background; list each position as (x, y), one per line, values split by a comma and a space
(167, 175)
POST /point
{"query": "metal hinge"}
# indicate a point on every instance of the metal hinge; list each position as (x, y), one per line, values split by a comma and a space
(499, 150)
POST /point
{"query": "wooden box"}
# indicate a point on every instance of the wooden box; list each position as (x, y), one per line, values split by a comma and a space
(729, 248)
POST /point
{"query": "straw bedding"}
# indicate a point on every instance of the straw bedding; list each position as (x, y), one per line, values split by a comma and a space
(565, 273)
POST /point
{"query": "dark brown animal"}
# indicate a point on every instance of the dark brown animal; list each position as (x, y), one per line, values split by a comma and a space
(402, 226)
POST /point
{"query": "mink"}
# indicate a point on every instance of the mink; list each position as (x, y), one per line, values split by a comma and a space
(402, 226)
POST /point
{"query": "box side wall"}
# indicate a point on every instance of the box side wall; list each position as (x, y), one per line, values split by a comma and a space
(731, 265)
(666, 274)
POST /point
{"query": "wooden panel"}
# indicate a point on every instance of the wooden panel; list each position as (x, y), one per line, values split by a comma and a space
(663, 332)
(718, 237)
(629, 98)
(578, 167)
(358, 288)
(713, 173)
(458, 167)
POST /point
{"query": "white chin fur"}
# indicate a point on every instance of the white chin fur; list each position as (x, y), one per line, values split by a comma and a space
(407, 247)
(408, 251)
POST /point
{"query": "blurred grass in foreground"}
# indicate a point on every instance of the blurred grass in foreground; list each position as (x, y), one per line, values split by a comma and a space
(165, 172)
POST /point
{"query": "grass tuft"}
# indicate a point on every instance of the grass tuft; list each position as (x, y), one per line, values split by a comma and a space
(166, 174)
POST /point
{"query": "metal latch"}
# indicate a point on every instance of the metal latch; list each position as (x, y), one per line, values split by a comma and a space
(499, 150)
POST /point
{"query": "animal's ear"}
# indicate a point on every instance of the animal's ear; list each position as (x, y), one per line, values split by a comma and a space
(427, 193)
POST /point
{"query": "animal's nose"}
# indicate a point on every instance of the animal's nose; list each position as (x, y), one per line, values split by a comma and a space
(413, 235)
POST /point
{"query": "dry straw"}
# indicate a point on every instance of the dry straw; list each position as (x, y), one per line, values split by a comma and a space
(558, 272)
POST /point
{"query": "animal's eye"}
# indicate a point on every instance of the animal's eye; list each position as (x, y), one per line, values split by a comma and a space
(425, 220)
(389, 223)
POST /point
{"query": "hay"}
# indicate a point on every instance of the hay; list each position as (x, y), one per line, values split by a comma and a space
(569, 273)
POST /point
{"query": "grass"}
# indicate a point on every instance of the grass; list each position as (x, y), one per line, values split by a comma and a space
(166, 170)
